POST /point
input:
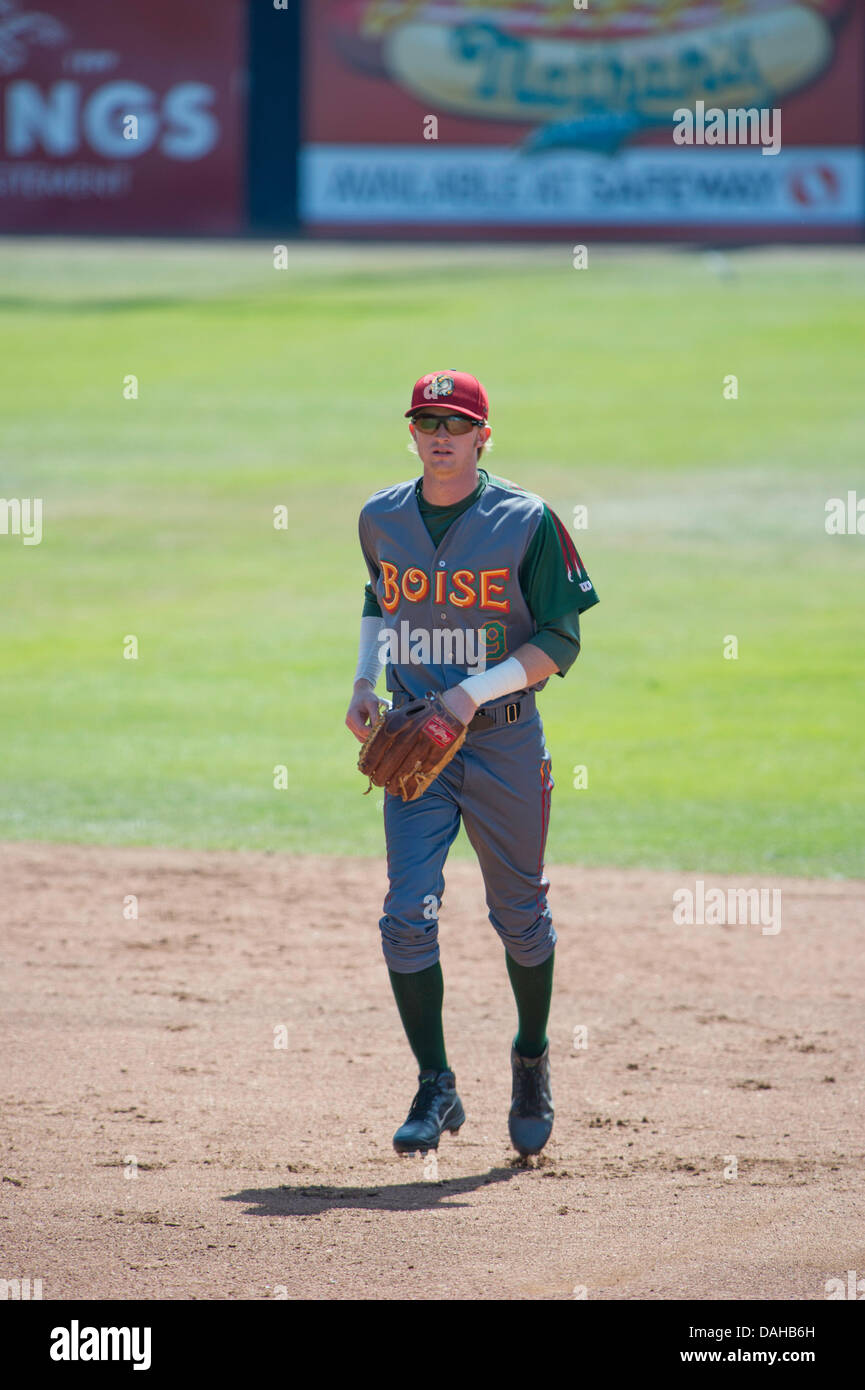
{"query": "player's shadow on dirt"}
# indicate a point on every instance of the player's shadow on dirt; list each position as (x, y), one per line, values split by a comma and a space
(419, 1195)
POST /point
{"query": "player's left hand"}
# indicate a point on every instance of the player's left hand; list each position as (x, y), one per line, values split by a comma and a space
(460, 704)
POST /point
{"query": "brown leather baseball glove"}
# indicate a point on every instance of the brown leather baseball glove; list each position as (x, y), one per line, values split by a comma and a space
(407, 748)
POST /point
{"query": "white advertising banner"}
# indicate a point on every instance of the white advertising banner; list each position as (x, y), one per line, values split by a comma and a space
(684, 186)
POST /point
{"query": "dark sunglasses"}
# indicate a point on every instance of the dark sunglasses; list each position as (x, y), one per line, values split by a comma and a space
(455, 424)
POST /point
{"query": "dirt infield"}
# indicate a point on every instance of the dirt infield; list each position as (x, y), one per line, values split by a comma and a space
(158, 1143)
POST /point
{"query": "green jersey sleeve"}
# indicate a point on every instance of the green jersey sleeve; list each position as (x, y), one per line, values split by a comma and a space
(557, 590)
(371, 607)
(560, 640)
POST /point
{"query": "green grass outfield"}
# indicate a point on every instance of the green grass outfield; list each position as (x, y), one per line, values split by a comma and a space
(260, 387)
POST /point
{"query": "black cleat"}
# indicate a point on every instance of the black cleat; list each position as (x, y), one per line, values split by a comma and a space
(435, 1107)
(531, 1115)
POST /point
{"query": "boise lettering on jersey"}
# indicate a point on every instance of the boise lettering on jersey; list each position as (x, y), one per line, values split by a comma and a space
(463, 588)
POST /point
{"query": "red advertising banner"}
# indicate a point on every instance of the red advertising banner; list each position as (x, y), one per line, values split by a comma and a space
(660, 119)
(122, 117)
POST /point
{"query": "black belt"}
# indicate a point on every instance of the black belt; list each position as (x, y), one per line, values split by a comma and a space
(482, 719)
(503, 714)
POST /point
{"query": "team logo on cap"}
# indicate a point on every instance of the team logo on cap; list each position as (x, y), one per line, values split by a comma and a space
(438, 386)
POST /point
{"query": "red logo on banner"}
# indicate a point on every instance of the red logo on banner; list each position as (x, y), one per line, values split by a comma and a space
(815, 185)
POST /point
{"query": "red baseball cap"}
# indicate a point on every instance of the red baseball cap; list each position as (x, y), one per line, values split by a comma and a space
(462, 393)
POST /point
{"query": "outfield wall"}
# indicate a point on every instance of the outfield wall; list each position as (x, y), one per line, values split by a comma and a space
(528, 118)
(523, 119)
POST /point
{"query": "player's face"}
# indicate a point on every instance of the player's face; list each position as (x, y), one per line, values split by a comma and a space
(448, 454)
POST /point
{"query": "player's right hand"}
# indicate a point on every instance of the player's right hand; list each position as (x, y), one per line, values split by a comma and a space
(364, 710)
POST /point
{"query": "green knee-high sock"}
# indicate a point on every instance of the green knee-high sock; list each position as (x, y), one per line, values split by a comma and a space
(533, 991)
(419, 999)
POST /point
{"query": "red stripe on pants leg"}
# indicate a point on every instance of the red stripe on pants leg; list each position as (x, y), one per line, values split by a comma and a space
(544, 829)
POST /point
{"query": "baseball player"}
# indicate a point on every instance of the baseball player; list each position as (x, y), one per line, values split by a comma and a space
(473, 602)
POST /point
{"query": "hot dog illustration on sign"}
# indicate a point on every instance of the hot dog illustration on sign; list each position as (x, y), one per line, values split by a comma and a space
(589, 78)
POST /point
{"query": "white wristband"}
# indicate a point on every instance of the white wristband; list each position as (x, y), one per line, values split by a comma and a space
(369, 662)
(499, 680)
